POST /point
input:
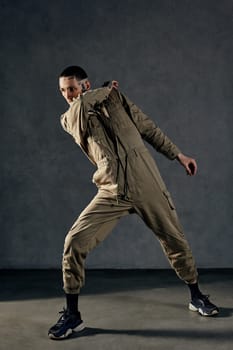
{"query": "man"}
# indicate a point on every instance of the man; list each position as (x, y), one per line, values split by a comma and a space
(110, 130)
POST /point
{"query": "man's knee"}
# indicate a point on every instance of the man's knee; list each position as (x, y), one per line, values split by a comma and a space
(71, 242)
(77, 242)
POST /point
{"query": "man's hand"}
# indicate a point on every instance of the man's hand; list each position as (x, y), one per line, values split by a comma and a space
(115, 84)
(188, 163)
(111, 84)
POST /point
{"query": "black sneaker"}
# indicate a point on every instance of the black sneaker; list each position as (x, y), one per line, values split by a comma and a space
(66, 324)
(203, 305)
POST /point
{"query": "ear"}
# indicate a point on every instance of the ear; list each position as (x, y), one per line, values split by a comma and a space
(88, 85)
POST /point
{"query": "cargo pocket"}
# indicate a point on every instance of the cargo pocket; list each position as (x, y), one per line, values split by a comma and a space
(169, 199)
(95, 128)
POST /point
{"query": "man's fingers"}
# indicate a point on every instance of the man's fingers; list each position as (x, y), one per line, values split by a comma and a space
(188, 171)
(188, 163)
(115, 84)
(191, 168)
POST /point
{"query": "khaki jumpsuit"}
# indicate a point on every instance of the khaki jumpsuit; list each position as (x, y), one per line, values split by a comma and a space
(110, 130)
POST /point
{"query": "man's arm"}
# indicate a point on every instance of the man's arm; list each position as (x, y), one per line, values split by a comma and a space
(151, 133)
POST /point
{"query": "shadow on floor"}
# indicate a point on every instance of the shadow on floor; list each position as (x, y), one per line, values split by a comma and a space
(150, 333)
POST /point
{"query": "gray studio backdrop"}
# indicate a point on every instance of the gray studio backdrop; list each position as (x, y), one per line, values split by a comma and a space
(173, 58)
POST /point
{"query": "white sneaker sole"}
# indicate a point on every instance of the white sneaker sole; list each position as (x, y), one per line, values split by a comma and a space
(69, 331)
(201, 312)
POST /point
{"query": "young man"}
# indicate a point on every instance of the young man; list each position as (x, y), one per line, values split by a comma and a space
(110, 130)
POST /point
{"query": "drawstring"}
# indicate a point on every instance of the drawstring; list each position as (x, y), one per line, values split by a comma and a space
(125, 176)
(124, 167)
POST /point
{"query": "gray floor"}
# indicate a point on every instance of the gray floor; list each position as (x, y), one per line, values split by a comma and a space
(122, 310)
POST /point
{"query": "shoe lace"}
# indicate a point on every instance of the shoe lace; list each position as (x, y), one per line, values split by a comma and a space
(205, 297)
(63, 314)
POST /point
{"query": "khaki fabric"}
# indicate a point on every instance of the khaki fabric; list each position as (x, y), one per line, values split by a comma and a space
(111, 131)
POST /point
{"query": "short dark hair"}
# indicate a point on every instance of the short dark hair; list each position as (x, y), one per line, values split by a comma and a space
(74, 71)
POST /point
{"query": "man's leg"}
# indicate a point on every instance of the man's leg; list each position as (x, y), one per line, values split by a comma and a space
(159, 214)
(91, 227)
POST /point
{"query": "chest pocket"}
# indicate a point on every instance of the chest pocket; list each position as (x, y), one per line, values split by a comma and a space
(95, 128)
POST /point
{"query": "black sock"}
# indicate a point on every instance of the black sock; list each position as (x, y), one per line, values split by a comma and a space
(72, 303)
(194, 290)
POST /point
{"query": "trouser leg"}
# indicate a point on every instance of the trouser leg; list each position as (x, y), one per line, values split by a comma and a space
(158, 212)
(91, 227)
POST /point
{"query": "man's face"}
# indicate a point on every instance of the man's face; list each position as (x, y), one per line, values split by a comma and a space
(70, 88)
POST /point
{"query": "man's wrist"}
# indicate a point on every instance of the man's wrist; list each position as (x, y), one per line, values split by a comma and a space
(179, 156)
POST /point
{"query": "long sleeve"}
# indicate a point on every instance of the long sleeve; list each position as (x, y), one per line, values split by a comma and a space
(75, 120)
(150, 132)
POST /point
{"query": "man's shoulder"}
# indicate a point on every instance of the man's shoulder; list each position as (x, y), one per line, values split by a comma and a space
(95, 96)
(89, 99)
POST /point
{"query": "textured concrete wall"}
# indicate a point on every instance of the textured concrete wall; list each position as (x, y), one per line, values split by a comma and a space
(174, 60)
